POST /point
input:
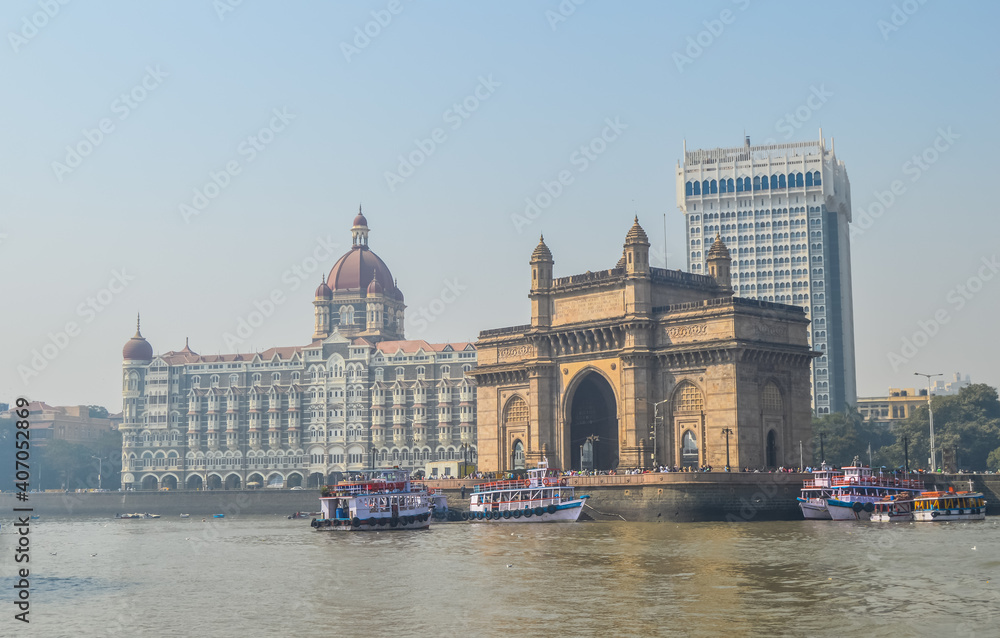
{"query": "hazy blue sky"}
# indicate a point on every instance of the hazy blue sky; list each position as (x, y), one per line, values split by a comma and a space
(180, 88)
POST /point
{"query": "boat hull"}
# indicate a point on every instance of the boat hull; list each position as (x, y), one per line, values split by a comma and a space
(943, 516)
(814, 511)
(566, 512)
(373, 524)
(845, 511)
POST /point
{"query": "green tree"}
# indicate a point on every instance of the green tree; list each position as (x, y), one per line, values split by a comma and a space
(993, 460)
(846, 435)
(967, 423)
(98, 412)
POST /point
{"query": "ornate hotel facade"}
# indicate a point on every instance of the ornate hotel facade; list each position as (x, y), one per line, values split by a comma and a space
(357, 396)
(637, 366)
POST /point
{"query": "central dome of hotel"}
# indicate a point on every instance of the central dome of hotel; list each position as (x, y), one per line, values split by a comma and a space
(360, 266)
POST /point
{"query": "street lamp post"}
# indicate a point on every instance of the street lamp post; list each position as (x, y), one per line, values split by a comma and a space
(656, 415)
(930, 416)
(100, 469)
(727, 432)
(822, 454)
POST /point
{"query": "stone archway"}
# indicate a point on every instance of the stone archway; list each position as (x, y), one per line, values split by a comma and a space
(593, 425)
(169, 481)
(294, 480)
(233, 482)
(150, 482)
(316, 479)
(194, 482)
(214, 482)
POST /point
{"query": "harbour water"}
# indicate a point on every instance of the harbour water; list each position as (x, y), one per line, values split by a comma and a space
(270, 576)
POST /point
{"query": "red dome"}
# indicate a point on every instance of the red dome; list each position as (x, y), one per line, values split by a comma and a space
(355, 270)
(374, 288)
(324, 292)
(137, 348)
(360, 220)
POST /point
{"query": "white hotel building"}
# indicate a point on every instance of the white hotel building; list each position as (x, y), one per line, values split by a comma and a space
(783, 210)
(358, 395)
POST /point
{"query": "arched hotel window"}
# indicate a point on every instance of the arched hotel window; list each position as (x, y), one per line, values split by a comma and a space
(809, 179)
(517, 456)
(697, 188)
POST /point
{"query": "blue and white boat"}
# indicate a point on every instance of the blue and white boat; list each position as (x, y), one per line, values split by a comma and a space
(543, 497)
(855, 494)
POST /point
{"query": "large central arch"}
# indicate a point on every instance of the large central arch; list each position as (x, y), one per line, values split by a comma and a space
(593, 425)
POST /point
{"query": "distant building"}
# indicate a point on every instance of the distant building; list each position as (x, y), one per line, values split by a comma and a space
(71, 423)
(944, 388)
(897, 406)
(358, 395)
(635, 366)
(783, 210)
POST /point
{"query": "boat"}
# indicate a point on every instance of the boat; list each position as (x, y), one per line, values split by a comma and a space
(939, 507)
(218, 515)
(543, 497)
(815, 491)
(853, 495)
(380, 500)
(304, 514)
(893, 510)
(128, 516)
(185, 516)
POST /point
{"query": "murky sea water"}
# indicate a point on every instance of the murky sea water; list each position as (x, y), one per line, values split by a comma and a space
(269, 576)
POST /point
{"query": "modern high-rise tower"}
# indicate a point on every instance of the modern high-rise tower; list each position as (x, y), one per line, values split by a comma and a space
(783, 210)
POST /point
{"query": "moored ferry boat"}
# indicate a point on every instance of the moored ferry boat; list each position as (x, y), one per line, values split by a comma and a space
(854, 494)
(949, 506)
(815, 491)
(543, 497)
(893, 510)
(380, 500)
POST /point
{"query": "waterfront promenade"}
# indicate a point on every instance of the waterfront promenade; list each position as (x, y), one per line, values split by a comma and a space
(711, 496)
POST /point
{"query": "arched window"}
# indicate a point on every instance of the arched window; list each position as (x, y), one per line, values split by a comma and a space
(688, 189)
(739, 184)
(729, 185)
(809, 179)
(234, 379)
(798, 179)
(817, 179)
(689, 449)
(215, 380)
(517, 456)
(705, 187)
(275, 377)
(781, 181)
(774, 181)
(772, 449)
(697, 188)
(714, 186)
(756, 183)
(445, 371)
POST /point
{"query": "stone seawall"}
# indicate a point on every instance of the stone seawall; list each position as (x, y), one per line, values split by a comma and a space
(675, 497)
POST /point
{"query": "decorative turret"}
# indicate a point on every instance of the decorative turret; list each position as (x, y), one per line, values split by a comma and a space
(359, 232)
(719, 263)
(541, 266)
(636, 250)
(541, 284)
(638, 285)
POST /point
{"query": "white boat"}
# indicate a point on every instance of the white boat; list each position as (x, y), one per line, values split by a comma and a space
(939, 507)
(543, 497)
(853, 496)
(815, 491)
(381, 500)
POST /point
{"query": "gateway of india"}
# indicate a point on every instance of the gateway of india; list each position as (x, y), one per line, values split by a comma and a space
(638, 366)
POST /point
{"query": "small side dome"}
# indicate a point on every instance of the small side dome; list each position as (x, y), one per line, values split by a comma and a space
(718, 249)
(636, 235)
(541, 252)
(137, 348)
(374, 288)
(621, 262)
(323, 291)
